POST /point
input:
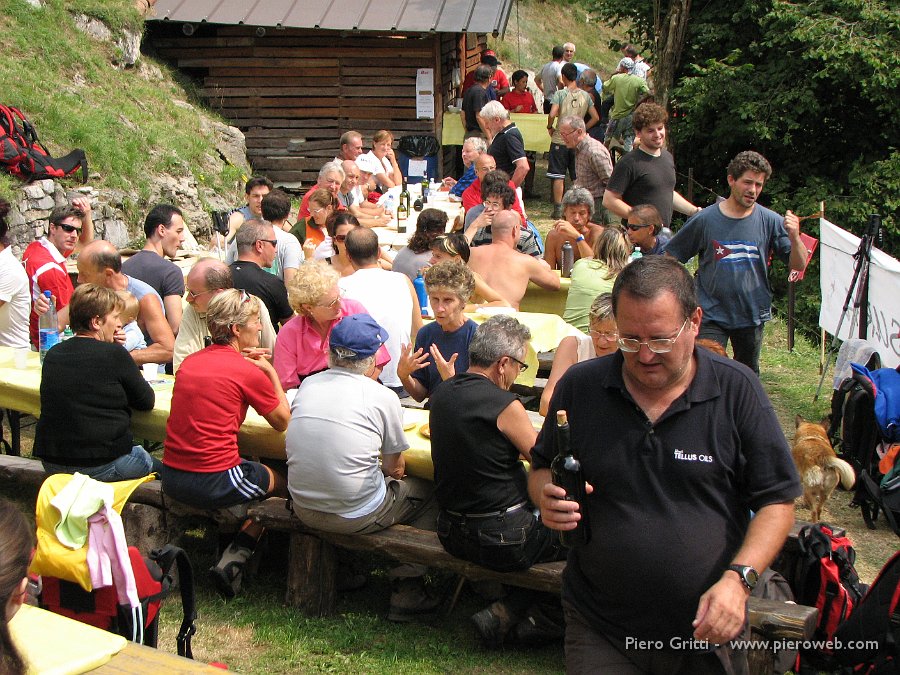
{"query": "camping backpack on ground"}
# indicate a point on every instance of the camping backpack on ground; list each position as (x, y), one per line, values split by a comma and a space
(152, 576)
(878, 460)
(23, 155)
(853, 431)
(873, 629)
(825, 579)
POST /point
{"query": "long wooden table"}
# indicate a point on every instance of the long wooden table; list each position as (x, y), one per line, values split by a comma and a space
(20, 390)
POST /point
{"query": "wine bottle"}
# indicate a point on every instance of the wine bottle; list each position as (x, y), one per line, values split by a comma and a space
(403, 208)
(567, 474)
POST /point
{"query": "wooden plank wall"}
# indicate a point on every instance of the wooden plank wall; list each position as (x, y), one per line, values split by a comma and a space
(293, 92)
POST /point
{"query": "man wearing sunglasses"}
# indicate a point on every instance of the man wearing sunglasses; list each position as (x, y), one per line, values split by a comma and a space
(678, 446)
(256, 250)
(70, 227)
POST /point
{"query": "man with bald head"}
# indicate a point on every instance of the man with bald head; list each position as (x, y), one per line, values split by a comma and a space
(101, 264)
(350, 196)
(207, 278)
(504, 268)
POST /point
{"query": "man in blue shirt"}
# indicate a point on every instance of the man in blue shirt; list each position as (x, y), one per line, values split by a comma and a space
(734, 239)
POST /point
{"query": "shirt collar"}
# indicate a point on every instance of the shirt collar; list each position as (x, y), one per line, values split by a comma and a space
(52, 250)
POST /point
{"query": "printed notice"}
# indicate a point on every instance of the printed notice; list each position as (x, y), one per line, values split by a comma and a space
(425, 93)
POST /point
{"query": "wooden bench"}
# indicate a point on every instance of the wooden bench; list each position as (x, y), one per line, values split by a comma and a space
(311, 571)
(151, 517)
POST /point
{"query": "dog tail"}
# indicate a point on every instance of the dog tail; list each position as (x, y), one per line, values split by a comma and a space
(845, 471)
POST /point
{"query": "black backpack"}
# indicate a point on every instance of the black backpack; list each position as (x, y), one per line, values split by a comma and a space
(869, 641)
(23, 155)
(826, 579)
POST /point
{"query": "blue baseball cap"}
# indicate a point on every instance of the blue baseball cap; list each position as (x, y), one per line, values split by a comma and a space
(357, 336)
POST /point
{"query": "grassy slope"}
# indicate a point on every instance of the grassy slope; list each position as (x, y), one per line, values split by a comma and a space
(64, 82)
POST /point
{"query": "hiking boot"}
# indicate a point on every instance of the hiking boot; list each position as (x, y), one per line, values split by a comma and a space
(229, 571)
(492, 625)
(410, 600)
(557, 212)
(532, 631)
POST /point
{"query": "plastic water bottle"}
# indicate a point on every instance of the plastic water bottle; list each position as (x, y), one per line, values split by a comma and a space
(48, 328)
(567, 260)
(419, 284)
(635, 254)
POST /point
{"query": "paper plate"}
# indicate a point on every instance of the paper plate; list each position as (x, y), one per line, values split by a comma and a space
(425, 430)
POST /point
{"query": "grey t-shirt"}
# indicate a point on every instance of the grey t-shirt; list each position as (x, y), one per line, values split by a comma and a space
(410, 263)
(162, 275)
(733, 277)
(340, 424)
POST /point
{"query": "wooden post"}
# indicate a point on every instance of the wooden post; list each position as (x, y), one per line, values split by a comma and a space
(312, 566)
(690, 185)
(792, 293)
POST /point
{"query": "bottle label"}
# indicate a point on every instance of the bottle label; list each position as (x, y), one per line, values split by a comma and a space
(47, 338)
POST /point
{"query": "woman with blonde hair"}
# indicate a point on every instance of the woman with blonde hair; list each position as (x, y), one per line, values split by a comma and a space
(16, 545)
(301, 348)
(600, 341)
(593, 276)
(383, 151)
(213, 390)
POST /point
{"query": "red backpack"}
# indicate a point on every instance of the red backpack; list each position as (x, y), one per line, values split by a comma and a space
(23, 155)
(154, 582)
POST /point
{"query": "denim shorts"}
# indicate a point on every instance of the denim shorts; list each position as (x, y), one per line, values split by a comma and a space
(511, 541)
(136, 464)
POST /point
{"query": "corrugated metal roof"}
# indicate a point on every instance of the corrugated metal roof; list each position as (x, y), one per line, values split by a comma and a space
(408, 16)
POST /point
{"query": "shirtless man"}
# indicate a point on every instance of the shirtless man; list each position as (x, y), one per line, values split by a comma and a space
(505, 269)
(575, 227)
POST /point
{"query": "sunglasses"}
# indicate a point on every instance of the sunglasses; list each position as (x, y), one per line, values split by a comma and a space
(274, 242)
(635, 228)
(68, 228)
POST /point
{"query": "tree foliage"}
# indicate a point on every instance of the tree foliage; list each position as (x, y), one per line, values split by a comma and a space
(811, 85)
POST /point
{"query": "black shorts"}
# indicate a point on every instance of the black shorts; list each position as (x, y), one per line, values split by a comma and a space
(560, 160)
(240, 484)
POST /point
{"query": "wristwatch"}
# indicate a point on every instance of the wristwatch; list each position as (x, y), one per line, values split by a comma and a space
(747, 574)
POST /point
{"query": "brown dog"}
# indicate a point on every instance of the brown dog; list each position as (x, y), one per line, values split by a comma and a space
(820, 469)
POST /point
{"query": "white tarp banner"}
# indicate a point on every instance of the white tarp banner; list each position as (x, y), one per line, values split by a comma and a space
(837, 263)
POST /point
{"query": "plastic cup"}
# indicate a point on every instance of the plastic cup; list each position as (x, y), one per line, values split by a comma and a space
(151, 370)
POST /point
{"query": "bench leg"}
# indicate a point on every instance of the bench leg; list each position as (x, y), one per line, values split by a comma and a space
(145, 526)
(312, 568)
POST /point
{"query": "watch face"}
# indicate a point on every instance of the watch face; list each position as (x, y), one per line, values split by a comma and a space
(751, 576)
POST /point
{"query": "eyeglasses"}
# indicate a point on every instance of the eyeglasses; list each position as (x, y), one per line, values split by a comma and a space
(656, 345)
(340, 238)
(274, 242)
(316, 212)
(608, 335)
(492, 205)
(193, 296)
(566, 134)
(522, 366)
(68, 228)
(635, 228)
(334, 303)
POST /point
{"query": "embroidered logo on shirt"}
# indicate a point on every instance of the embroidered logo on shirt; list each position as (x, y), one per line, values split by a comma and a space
(691, 457)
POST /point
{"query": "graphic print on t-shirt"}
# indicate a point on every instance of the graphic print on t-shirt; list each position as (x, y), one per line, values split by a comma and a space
(735, 252)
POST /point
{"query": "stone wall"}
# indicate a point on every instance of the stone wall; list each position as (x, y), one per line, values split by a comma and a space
(28, 218)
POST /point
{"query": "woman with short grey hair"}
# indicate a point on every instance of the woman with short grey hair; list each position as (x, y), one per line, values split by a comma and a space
(479, 432)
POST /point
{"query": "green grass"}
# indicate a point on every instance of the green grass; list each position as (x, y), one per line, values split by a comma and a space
(535, 26)
(125, 120)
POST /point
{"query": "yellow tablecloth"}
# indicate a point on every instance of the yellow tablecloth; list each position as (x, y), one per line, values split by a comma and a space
(72, 648)
(533, 128)
(20, 390)
(388, 235)
(542, 301)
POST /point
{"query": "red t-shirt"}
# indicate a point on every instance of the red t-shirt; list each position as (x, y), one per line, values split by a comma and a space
(46, 270)
(525, 99)
(213, 389)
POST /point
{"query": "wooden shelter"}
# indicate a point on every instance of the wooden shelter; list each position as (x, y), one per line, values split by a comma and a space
(294, 75)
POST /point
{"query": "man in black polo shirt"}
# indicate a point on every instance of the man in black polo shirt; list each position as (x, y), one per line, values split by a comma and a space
(256, 249)
(508, 146)
(680, 446)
